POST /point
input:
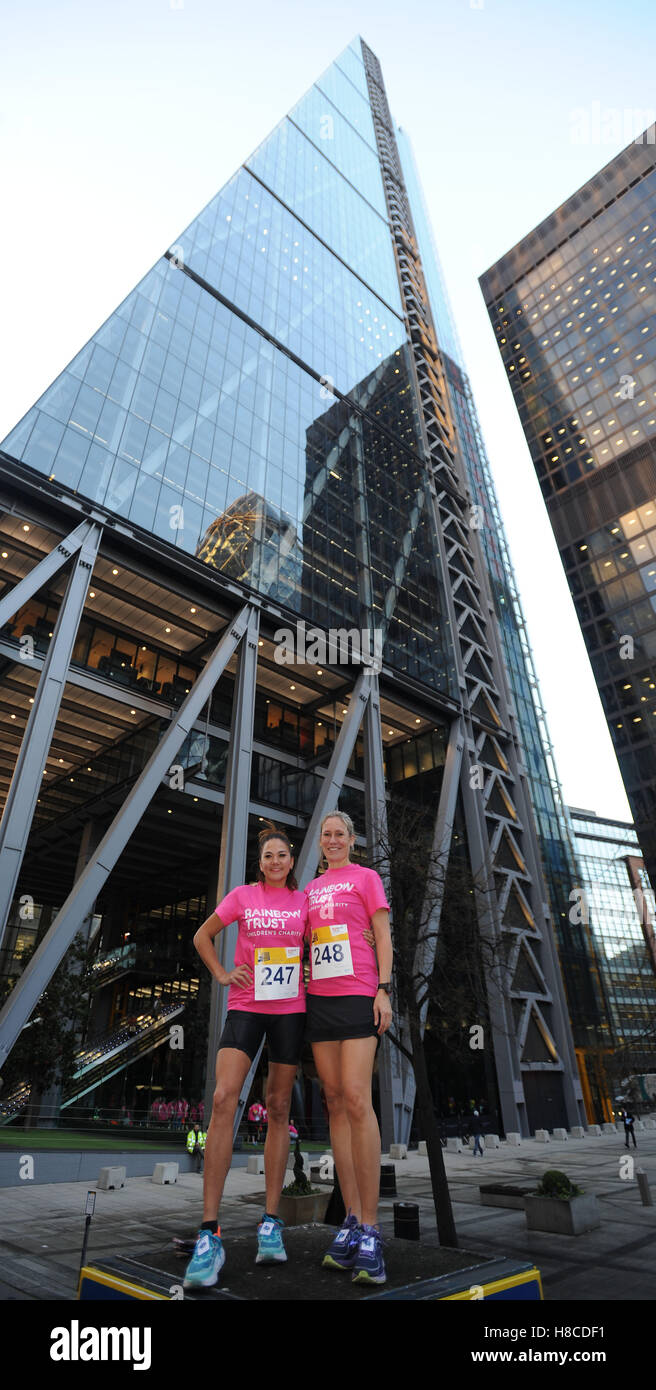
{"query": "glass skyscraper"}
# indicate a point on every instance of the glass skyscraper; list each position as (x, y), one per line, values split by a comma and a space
(573, 308)
(267, 430)
(620, 916)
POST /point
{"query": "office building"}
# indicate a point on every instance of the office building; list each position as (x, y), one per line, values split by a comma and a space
(260, 437)
(573, 308)
(619, 914)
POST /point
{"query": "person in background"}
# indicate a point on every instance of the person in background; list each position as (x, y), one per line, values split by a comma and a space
(196, 1145)
(629, 1132)
(255, 1112)
(477, 1130)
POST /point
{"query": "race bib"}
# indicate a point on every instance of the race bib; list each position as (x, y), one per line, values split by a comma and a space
(331, 952)
(277, 972)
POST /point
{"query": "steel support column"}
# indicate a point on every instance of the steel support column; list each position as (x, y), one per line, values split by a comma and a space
(26, 781)
(80, 900)
(442, 834)
(501, 1023)
(234, 830)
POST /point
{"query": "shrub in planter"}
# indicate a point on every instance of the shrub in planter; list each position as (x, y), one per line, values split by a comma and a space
(300, 1189)
(559, 1206)
(557, 1184)
(301, 1204)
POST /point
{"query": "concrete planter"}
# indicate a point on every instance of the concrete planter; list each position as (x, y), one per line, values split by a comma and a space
(504, 1195)
(300, 1211)
(569, 1217)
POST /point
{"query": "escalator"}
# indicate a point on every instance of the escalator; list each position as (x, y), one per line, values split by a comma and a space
(108, 968)
(110, 1054)
(103, 1058)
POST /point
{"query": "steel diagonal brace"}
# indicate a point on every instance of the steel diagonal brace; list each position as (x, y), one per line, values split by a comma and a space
(334, 779)
(26, 588)
(83, 895)
(234, 830)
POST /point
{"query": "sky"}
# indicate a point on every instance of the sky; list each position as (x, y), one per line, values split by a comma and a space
(121, 119)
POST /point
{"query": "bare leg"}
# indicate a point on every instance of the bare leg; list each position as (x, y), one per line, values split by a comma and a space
(357, 1068)
(232, 1067)
(278, 1099)
(327, 1057)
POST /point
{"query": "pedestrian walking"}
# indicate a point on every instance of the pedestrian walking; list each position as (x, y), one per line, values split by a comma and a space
(477, 1130)
(628, 1128)
(255, 1114)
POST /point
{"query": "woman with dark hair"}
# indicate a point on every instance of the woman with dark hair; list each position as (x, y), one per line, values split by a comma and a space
(266, 999)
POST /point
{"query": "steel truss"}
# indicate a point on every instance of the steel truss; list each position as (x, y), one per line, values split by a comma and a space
(240, 636)
(510, 895)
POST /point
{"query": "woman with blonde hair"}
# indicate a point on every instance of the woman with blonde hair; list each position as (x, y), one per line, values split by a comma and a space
(348, 1010)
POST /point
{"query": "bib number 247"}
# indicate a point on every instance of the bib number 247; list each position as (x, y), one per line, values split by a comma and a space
(277, 972)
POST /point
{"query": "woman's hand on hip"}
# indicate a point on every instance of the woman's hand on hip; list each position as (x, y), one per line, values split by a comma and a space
(241, 976)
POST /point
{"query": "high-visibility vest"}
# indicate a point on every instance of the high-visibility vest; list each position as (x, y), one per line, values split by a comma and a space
(194, 1138)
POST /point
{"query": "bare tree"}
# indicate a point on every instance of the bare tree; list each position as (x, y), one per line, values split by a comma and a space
(440, 966)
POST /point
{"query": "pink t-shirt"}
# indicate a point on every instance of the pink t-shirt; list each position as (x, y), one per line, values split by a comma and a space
(348, 895)
(269, 917)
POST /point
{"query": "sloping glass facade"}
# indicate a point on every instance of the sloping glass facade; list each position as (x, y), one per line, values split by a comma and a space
(251, 400)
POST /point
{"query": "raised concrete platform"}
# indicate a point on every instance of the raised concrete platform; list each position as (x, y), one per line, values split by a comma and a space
(414, 1271)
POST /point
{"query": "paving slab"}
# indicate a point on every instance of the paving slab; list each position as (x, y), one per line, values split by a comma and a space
(42, 1226)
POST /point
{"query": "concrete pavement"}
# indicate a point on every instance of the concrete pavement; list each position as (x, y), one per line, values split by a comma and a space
(42, 1227)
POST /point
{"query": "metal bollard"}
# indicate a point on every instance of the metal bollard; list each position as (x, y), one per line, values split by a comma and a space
(643, 1188)
(406, 1220)
(387, 1180)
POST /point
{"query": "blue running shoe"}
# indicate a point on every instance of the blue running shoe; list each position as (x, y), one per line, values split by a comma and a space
(369, 1266)
(206, 1262)
(270, 1249)
(344, 1248)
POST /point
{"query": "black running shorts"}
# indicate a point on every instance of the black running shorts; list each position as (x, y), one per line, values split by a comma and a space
(284, 1034)
(335, 1017)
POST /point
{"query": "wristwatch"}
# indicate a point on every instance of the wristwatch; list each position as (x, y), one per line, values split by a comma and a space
(387, 986)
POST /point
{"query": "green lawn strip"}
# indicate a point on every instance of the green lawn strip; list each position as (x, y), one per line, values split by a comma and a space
(58, 1139)
(26, 1139)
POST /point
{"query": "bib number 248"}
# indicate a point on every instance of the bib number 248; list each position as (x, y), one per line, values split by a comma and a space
(331, 952)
